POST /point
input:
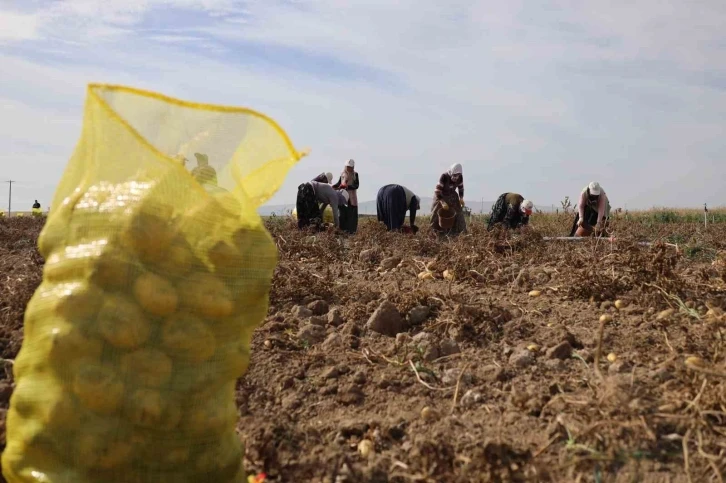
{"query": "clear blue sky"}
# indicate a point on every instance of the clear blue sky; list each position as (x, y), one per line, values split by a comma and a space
(534, 97)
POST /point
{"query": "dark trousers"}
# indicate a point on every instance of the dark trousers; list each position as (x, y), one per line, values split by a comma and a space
(348, 219)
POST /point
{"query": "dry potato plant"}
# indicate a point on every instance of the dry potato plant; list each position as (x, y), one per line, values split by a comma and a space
(493, 357)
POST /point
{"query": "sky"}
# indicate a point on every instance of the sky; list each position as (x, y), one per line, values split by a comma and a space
(534, 97)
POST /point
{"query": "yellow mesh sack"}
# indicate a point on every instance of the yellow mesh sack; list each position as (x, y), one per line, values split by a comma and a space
(152, 286)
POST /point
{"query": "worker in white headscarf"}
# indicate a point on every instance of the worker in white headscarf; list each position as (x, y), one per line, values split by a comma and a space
(447, 199)
(349, 181)
(593, 210)
(510, 211)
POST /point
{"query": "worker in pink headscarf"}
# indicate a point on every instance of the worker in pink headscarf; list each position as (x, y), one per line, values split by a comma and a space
(349, 181)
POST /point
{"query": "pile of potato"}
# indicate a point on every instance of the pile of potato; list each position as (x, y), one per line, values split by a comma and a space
(134, 341)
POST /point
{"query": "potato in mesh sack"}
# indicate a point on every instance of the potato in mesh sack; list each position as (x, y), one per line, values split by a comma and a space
(152, 286)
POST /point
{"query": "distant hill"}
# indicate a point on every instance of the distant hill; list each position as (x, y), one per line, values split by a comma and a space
(369, 208)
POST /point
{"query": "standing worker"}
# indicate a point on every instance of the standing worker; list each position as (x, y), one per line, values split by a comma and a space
(36, 209)
(450, 183)
(206, 175)
(392, 202)
(593, 210)
(349, 182)
(447, 214)
(309, 211)
(511, 211)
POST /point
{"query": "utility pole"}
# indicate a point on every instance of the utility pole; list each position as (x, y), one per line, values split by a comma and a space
(10, 197)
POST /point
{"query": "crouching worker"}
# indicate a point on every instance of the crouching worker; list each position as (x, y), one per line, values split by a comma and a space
(309, 210)
(511, 211)
(392, 203)
(593, 210)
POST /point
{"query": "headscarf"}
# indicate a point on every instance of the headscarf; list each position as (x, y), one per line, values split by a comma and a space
(456, 169)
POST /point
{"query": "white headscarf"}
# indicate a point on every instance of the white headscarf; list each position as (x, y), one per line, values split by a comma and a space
(456, 169)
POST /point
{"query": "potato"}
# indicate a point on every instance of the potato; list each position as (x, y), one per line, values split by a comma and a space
(149, 408)
(150, 236)
(103, 450)
(76, 301)
(72, 263)
(195, 380)
(207, 296)
(114, 270)
(225, 257)
(215, 413)
(147, 367)
(187, 338)
(98, 388)
(122, 323)
(69, 347)
(178, 261)
(63, 413)
(156, 295)
(153, 453)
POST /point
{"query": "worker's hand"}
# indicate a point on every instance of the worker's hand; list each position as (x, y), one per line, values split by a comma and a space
(444, 206)
(580, 222)
(462, 203)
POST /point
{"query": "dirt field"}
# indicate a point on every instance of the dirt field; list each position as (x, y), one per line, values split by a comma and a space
(474, 378)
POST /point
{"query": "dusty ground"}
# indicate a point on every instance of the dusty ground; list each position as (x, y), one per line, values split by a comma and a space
(509, 381)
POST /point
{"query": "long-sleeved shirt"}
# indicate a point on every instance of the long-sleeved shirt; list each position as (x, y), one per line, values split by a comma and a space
(514, 217)
(602, 207)
(351, 185)
(452, 186)
(327, 195)
(507, 211)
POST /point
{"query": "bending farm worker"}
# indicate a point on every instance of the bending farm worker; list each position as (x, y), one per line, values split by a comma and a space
(349, 181)
(308, 209)
(511, 211)
(324, 178)
(392, 202)
(447, 215)
(593, 210)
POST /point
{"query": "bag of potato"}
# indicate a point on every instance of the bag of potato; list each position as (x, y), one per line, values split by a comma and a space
(152, 286)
